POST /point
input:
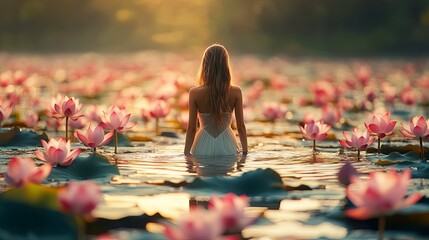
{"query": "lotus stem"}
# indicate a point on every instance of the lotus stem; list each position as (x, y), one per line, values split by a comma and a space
(381, 226)
(157, 126)
(358, 155)
(314, 145)
(67, 128)
(116, 141)
(422, 150)
(379, 149)
(95, 149)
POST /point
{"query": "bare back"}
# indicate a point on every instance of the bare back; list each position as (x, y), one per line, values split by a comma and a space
(199, 103)
(203, 103)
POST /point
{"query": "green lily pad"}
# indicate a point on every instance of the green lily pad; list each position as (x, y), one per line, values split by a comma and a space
(95, 166)
(21, 138)
(260, 182)
(103, 225)
(123, 141)
(410, 149)
(33, 211)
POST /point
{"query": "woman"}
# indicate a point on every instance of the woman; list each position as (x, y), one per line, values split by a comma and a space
(213, 102)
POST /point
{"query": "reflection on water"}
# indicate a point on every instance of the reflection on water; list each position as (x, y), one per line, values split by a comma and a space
(215, 165)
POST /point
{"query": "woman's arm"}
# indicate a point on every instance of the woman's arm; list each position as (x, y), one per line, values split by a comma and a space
(241, 127)
(192, 123)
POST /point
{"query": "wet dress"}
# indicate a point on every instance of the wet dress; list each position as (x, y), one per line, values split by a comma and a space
(214, 139)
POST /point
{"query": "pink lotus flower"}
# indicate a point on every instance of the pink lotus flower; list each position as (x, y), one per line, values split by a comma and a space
(65, 107)
(31, 120)
(94, 113)
(273, 111)
(198, 224)
(363, 75)
(57, 152)
(5, 111)
(315, 131)
(80, 198)
(419, 128)
(381, 193)
(54, 123)
(331, 115)
(23, 170)
(389, 92)
(408, 96)
(381, 126)
(116, 119)
(232, 210)
(160, 109)
(94, 137)
(358, 139)
(324, 92)
(345, 173)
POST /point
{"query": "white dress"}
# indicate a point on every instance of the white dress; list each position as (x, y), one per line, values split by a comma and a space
(212, 139)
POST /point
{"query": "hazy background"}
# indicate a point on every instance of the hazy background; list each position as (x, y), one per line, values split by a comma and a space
(294, 27)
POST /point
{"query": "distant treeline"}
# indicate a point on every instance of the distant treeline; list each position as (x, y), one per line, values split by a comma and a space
(296, 27)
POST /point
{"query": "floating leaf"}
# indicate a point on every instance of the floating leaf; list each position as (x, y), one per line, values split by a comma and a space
(94, 166)
(33, 211)
(260, 182)
(387, 149)
(21, 138)
(123, 141)
(102, 225)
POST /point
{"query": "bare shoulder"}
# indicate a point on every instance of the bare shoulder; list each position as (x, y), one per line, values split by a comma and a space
(196, 90)
(235, 91)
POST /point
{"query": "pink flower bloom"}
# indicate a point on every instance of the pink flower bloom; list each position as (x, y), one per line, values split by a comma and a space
(117, 119)
(5, 111)
(94, 113)
(23, 170)
(57, 152)
(80, 198)
(363, 75)
(370, 93)
(418, 127)
(273, 111)
(331, 115)
(381, 193)
(198, 224)
(232, 210)
(358, 139)
(315, 130)
(160, 109)
(94, 137)
(54, 123)
(345, 173)
(78, 123)
(63, 106)
(408, 96)
(323, 92)
(31, 120)
(380, 125)
(389, 92)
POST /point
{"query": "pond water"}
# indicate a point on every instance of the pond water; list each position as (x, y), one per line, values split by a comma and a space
(154, 172)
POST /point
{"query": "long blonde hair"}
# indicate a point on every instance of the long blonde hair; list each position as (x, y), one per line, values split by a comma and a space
(215, 74)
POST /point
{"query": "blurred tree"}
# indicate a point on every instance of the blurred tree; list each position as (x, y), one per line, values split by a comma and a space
(302, 27)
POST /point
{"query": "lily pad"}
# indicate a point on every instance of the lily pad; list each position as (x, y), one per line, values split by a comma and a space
(21, 138)
(95, 166)
(123, 141)
(102, 225)
(33, 211)
(260, 182)
(388, 149)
